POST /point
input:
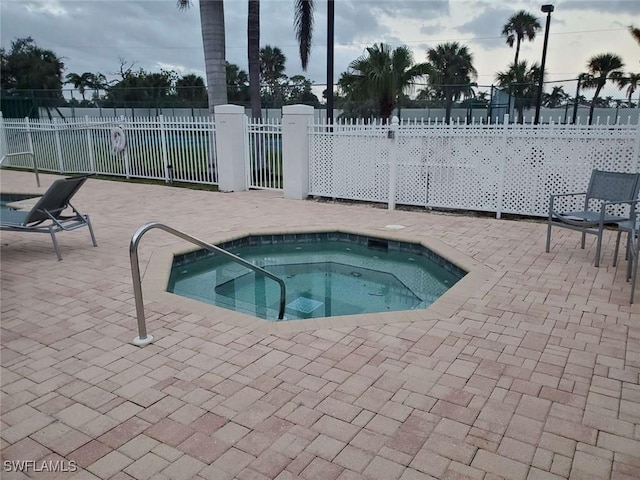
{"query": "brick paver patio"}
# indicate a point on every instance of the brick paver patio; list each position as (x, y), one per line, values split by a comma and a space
(535, 377)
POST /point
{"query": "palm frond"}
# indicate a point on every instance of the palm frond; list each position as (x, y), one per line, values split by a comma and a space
(303, 23)
(183, 4)
(635, 33)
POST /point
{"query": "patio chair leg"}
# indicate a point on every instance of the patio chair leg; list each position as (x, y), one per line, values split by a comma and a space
(598, 248)
(548, 236)
(93, 237)
(55, 243)
(615, 253)
(584, 237)
(634, 273)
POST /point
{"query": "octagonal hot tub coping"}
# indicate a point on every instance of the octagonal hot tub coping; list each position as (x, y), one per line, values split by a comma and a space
(156, 278)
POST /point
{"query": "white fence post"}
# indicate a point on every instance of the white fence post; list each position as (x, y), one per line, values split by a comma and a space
(58, 145)
(295, 150)
(163, 141)
(503, 166)
(230, 127)
(92, 157)
(392, 135)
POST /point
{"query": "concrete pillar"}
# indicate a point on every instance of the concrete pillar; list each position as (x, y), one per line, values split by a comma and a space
(230, 122)
(295, 150)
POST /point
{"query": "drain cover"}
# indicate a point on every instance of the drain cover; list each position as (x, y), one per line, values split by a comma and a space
(304, 305)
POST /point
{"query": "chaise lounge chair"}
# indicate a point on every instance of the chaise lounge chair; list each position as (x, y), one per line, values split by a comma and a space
(46, 216)
(607, 190)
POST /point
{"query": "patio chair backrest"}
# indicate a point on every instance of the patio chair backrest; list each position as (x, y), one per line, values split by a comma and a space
(613, 186)
(55, 200)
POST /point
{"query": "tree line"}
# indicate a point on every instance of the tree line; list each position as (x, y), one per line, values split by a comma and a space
(381, 80)
(28, 67)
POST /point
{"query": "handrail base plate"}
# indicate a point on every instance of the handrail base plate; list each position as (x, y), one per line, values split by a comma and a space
(141, 342)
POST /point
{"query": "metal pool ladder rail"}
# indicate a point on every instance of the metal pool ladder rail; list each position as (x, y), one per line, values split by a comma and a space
(143, 338)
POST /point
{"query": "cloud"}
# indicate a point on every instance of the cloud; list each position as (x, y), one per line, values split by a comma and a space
(91, 35)
(486, 28)
(607, 6)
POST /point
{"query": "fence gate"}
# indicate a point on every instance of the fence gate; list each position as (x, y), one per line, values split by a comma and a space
(264, 154)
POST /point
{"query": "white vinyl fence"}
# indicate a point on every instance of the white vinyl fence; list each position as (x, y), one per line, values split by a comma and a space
(171, 149)
(499, 168)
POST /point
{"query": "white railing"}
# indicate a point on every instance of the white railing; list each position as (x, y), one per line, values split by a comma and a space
(494, 167)
(171, 149)
(264, 154)
(499, 168)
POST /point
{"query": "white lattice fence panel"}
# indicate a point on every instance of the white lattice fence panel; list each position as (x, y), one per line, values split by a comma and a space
(361, 167)
(321, 172)
(411, 179)
(462, 170)
(542, 162)
(351, 165)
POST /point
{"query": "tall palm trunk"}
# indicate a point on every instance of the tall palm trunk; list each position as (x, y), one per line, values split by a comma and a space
(253, 53)
(515, 61)
(593, 102)
(213, 41)
(447, 106)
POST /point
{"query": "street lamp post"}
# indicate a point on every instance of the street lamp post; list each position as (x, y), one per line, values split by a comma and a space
(545, 9)
(330, 39)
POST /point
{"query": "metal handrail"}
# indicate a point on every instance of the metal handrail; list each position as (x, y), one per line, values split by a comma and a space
(143, 338)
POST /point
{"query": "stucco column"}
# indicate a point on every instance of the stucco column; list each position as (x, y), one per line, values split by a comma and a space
(295, 150)
(230, 123)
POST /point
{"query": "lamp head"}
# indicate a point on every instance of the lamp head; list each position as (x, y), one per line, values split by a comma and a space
(547, 8)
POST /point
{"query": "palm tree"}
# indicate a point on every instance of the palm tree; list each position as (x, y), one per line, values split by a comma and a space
(97, 82)
(272, 66)
(303, 22)
(80, 82)
(600, 67)
(635, 33)
(522, 81)
(556, 98)
(520, 26)
(213, 42)
(631, 81)
(382, 74)
(452, 72)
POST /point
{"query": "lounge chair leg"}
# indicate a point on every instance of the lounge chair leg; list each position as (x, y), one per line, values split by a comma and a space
(55, 243)
(548, 236)
(584, 237)
(93, 237)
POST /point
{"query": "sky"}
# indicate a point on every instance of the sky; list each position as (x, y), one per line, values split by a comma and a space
(94, 35)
